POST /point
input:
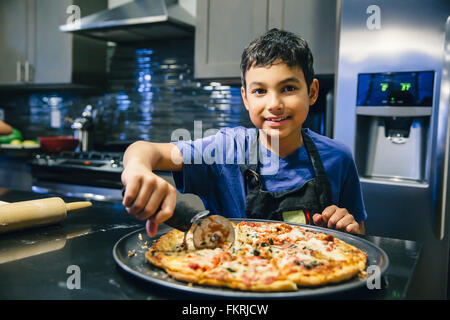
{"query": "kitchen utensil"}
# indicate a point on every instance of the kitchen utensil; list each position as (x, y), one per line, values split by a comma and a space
(35, 213)
(82, 127)
(140, 268)
(58, 144)
(212, 232)
(209, 231)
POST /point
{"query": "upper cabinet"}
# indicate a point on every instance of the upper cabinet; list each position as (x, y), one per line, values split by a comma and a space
(224, 28)
(34, 51)
(13, 40)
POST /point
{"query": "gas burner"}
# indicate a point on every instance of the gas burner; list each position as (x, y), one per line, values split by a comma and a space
(91, 155)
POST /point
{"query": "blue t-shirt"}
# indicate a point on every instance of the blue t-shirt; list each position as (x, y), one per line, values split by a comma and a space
(210, 170)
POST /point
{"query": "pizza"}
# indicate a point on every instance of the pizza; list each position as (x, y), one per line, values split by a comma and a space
(265, 256)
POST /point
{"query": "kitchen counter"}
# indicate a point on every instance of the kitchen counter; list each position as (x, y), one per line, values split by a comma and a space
(38, 263)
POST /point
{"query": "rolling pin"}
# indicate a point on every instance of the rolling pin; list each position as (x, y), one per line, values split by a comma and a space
(36, 213)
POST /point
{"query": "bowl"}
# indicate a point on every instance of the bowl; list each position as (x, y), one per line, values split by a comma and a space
(58, 144)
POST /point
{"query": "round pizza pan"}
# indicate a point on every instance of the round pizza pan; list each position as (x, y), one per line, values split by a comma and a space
(129, 254)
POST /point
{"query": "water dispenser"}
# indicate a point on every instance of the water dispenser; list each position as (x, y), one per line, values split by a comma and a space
(393, 112)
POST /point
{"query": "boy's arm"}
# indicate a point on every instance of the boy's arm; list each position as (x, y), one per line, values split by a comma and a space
(155, 156)
(147, 195)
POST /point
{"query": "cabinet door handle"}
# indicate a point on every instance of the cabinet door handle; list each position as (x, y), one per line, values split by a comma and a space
(27, 71)
(19, 71)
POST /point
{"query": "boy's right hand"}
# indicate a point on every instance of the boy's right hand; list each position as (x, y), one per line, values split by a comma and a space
(147, 196)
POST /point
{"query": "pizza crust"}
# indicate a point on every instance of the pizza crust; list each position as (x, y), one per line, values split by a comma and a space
(278, 285)
(320, 277)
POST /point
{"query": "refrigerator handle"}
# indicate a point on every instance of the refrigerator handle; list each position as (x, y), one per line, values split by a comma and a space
(441, 185)
(19, 71)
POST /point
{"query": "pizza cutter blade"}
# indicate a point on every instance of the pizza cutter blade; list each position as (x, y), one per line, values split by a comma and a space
(212, 232)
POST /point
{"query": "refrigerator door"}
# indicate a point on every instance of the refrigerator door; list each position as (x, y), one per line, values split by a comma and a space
(441, 175)
(408, 39)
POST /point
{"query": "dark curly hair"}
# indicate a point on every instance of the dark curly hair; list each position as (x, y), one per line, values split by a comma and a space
(276, 45)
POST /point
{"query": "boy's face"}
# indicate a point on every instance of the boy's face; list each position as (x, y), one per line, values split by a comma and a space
(277, 97)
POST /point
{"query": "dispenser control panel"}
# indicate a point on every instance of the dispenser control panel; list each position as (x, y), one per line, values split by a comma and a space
(412, 89)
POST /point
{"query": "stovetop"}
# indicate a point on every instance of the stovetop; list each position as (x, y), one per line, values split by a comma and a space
(90, 161)
(99, 169)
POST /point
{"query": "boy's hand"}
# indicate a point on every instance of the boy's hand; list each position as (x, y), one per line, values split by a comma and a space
(147, 196)
(337, 218)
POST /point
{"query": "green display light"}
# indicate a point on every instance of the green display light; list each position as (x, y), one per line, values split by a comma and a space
(384, 86)
(405, 86)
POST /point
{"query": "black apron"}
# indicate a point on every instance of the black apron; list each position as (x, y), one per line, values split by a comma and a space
(298, 205)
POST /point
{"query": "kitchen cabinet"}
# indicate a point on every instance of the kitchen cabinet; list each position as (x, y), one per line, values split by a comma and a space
(224, 28)
(222, 31)
(33, 51)
(13, 39)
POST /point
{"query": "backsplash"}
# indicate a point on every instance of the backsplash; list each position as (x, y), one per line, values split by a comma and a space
(154, 93)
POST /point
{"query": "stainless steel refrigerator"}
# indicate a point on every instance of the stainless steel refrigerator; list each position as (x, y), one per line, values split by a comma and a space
(391, 109)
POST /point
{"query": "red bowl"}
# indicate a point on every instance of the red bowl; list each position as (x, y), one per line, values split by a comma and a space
(58, 144)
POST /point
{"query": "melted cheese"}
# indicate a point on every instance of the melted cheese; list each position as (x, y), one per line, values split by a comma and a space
(324, 249)
(293, 235)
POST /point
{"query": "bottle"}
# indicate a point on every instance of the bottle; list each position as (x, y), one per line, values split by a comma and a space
(55, 104)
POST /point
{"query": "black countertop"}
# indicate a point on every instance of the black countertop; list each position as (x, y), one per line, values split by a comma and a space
(38, 263)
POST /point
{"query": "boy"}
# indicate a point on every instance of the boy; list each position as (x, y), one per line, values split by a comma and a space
(309, 178)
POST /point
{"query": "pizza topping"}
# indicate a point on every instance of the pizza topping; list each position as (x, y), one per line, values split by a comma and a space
(194, 266)
(287, 245)
(270, 279)
(311, 264)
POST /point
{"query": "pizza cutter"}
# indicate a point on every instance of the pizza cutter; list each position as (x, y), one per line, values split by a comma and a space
(209, 231)
(212, 231)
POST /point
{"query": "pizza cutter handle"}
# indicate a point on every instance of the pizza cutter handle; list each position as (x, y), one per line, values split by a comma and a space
(183, 215)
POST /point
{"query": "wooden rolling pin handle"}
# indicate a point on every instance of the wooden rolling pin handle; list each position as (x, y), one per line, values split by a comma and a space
(72, 206)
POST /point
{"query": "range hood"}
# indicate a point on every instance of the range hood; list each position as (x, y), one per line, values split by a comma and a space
(140, 20)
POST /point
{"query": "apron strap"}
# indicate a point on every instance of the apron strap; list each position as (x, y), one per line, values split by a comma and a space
(323, 189)
(249, 170)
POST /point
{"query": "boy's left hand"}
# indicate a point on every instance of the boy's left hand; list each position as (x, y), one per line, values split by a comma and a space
(337, 218)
